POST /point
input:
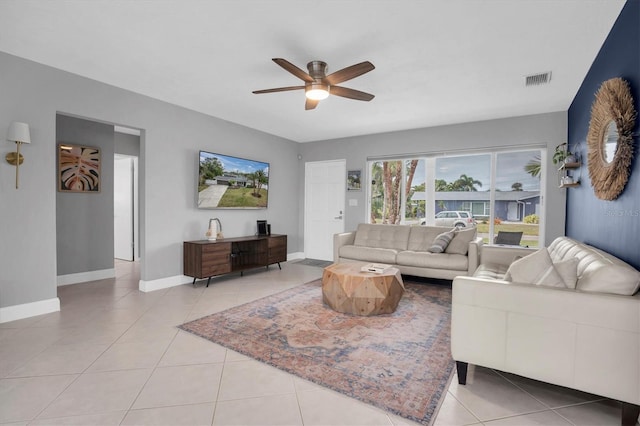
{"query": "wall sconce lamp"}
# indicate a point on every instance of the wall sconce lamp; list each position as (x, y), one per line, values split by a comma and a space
(18, 133)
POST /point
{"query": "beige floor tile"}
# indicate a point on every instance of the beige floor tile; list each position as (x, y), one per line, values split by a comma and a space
(187, 348)
(149, 332)
(247, 379)
(602, 413)
(24, 398)
(163, 316)
(5, 333)
(102, 419)
(22, 323)
(95, 393)
(489, 396)
(190, 384)
(60, 359)
(324, 407)
(543, 418)
(305, 385)
(129, 356)
(13, 357)
(550, 395)
(189, 374)
(262, 411)
(233, 356)
(453, 413)
(34, 337)
(187, 415)
(118, 315)
(96, 334)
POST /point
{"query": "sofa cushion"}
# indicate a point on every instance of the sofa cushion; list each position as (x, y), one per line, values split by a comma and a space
(368, 254)
(493, 271)
(421, 237)
(598, 271)
(422, 259)
(382, 236)
(536, 268)
(461, 240)
(440, 243)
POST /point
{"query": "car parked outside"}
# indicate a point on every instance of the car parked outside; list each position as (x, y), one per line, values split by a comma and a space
(459, 219)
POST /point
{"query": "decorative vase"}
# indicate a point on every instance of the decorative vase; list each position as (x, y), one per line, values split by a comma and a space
(212, 232)
(570, 158)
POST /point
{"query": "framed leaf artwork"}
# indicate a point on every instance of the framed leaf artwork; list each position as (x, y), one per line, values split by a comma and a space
(78, 168)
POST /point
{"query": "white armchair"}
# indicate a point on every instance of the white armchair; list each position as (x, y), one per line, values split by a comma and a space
(580, 339)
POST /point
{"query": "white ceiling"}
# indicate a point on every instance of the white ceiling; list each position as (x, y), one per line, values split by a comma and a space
(437, 62)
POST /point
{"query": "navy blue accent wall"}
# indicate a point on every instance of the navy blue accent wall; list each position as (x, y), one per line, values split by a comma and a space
(613, 226)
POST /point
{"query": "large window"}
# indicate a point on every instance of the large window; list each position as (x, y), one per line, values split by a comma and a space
(501, 190)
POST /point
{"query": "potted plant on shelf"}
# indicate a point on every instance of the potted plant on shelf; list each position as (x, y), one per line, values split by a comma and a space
(563, 155)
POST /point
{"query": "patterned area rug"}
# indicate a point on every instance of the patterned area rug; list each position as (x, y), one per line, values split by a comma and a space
(399, 362)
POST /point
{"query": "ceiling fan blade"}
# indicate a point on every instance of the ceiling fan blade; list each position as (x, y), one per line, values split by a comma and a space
(278, 89)
(351, 93)
(349, 72)
(293, 69)
(310, 104)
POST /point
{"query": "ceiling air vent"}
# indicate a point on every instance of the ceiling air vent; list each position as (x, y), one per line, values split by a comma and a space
(537, 79)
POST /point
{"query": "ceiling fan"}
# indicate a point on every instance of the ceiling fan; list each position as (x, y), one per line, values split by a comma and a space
(318, 85)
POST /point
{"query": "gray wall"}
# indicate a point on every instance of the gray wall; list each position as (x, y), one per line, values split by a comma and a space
(127, 144)
(543, 129)
(169, 145)
(84, 221)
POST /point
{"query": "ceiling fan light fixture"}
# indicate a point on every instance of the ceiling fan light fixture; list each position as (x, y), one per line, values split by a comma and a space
(317, 91)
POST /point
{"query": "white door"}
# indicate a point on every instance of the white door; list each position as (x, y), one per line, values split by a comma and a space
(512, 211)
(324, 193)
(123, 212)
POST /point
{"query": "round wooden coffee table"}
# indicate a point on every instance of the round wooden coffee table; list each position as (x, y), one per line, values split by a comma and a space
(346, 289)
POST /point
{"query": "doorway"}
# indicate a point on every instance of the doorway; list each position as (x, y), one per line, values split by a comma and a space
(125, 207)
(325, 187)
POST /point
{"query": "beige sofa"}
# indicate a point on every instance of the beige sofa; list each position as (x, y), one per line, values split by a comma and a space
(407, 248)
(587, 338)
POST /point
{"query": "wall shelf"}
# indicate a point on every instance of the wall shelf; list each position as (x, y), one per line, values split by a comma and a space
(569, 185)
(563, 173)
(569, 166)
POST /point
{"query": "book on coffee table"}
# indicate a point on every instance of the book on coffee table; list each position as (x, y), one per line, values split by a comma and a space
(376, 268)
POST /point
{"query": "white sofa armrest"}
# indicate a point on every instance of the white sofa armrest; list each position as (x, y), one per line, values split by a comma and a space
(503, 255)
(475, 249)
(581, 340)
(340, 240)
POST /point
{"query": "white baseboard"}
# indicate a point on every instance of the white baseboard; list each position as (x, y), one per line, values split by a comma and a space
(161, 283)
(295, 256)
(26, 310)
(82, 277)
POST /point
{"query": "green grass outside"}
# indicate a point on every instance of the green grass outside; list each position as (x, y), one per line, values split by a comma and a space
(525, 228)
(528, 230)
(243, 197)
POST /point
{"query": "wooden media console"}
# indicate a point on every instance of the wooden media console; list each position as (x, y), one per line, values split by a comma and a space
(205, 259)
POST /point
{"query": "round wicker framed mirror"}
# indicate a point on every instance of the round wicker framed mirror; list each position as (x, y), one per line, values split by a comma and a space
(610, 139)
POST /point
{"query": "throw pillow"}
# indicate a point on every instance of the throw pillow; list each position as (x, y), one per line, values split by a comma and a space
(461, 240)
(442, 241)
(536, 268)
(568, 270)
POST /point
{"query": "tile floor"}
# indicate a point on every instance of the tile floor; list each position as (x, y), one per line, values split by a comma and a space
(113, 355)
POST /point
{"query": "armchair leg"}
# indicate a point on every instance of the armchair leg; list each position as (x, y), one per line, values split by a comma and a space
(630, 414)
(461, 367)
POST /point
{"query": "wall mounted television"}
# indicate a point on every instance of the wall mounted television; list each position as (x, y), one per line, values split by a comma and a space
(226, 182)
